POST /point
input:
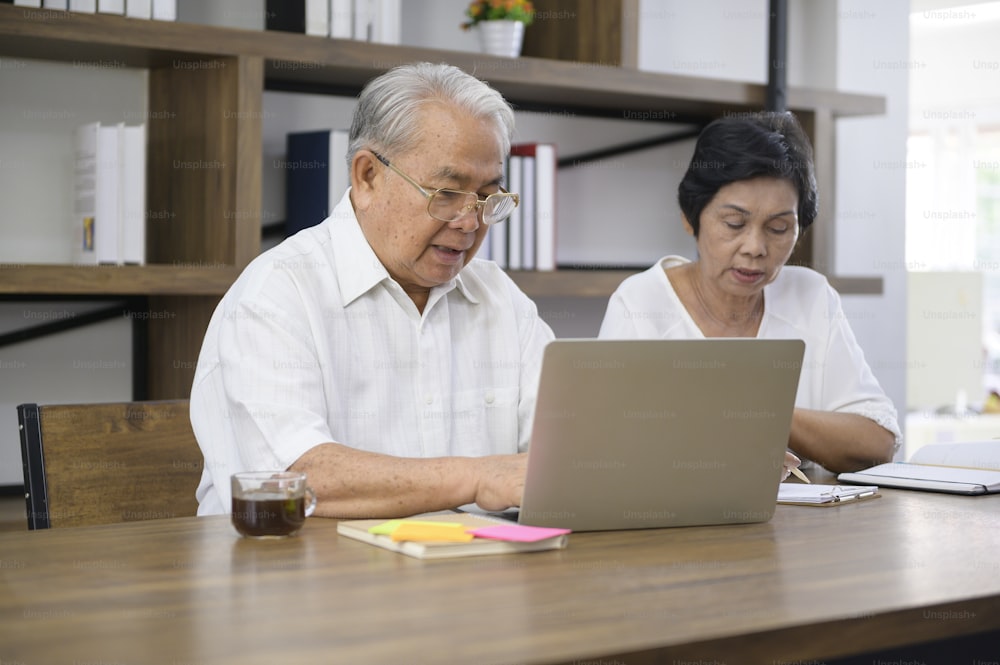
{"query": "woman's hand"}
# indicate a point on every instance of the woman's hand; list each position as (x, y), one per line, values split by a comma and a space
(790, 461)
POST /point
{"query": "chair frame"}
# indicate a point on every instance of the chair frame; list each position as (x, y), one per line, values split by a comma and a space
(33, 463)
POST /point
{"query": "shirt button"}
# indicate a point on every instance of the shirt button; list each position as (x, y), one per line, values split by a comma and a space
(490, 397)
(429, 399)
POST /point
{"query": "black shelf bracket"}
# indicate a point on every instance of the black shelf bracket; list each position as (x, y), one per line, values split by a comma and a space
(626, 148)
(776, 98)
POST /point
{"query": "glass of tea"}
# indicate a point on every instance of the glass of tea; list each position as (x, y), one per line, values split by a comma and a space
(271, 504)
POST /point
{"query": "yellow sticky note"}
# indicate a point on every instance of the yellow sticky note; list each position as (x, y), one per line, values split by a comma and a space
(427, 531)
(386, 528)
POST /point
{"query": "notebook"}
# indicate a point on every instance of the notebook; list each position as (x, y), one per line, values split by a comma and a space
(800, 494)
(967, 467)
(632, 434)
(480, 544)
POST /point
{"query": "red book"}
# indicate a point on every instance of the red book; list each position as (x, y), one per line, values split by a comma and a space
(540, 194)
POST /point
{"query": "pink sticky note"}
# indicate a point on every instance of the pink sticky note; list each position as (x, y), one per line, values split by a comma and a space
(518, 533)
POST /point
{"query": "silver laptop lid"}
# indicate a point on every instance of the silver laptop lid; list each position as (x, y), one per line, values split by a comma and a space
(633, 434)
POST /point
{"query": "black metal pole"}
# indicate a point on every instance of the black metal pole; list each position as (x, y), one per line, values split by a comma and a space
(777, 45)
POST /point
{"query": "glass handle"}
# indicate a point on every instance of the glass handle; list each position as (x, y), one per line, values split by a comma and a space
(310, 501)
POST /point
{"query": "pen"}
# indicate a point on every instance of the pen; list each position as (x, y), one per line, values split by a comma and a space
(798, 474)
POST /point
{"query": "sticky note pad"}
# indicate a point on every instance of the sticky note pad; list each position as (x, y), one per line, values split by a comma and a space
(424, 531)
(518, 532)
(386, 528)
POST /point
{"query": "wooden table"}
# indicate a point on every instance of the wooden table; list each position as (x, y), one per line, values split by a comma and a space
(813, 583)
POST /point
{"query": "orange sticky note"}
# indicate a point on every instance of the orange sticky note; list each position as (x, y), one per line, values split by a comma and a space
(422, 531)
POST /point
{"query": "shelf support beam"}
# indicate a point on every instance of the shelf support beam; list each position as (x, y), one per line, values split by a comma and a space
(777, 47)
(627, 148)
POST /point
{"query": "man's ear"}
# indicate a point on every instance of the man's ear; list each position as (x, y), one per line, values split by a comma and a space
(687, 225)
(364, 172)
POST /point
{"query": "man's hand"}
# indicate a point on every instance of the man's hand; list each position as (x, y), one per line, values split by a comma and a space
(500, 481)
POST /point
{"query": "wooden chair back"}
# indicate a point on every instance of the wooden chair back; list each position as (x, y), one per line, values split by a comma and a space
(103, 463)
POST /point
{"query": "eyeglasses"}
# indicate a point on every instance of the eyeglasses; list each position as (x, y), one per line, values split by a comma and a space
(450, 205)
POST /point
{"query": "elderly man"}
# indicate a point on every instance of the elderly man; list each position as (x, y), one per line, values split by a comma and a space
(372, 351)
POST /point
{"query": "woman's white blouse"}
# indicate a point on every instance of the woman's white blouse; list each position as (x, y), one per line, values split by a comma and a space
(799, 304)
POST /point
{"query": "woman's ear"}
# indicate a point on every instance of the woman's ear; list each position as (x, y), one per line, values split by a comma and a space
(364, 174)
(687, 226)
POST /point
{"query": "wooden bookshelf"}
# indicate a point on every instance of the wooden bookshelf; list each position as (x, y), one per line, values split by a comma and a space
(206, 88)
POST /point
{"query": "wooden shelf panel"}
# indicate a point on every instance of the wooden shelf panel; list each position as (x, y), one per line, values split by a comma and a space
(343, 66)
(202, 280)
(590, 89)
(569, 283)
(165, 279)
(857, 286)
(49, 34)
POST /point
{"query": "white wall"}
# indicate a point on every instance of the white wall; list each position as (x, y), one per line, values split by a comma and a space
(727, 39)
(944, 350)
(435, 24)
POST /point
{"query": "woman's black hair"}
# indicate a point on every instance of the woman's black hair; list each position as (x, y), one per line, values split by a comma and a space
(740, 147)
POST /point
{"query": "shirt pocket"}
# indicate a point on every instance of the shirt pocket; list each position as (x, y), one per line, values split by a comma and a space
(485, 422)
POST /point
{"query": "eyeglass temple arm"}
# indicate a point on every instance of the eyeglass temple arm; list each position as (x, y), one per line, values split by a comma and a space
(388, 164)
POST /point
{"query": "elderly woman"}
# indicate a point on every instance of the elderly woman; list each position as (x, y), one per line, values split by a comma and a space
(747, 195)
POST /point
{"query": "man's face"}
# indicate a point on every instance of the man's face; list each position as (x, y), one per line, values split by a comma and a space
(455, 151)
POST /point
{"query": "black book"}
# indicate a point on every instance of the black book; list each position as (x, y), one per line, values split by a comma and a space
(316, 176)
(285, 15)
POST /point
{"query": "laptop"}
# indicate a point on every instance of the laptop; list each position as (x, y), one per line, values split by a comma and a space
(635, 434)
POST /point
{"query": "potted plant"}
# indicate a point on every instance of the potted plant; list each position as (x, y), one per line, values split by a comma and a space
(500, 24)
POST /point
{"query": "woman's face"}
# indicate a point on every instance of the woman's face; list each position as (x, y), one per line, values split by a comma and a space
(747, 233)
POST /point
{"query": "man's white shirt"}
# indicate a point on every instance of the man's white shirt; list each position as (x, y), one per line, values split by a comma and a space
(315, 343)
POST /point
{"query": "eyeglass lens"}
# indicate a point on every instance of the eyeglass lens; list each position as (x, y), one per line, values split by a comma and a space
(449, 205)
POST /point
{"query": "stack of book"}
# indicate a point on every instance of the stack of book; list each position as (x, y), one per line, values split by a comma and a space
(109, 224)
(161, 10)
(363, 20)
(527, 240)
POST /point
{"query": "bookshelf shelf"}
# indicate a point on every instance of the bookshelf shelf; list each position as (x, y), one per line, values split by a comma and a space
(116, 280)
(206, 88)
(569, 283)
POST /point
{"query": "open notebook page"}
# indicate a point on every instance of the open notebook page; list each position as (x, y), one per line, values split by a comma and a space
(969, 454)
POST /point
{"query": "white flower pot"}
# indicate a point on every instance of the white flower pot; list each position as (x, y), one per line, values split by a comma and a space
(503, 38)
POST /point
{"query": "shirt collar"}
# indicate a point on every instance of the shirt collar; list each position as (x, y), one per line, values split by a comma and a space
(355, 263)
(463, 288)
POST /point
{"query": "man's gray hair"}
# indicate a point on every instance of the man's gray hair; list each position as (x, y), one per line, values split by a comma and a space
(386, 118)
